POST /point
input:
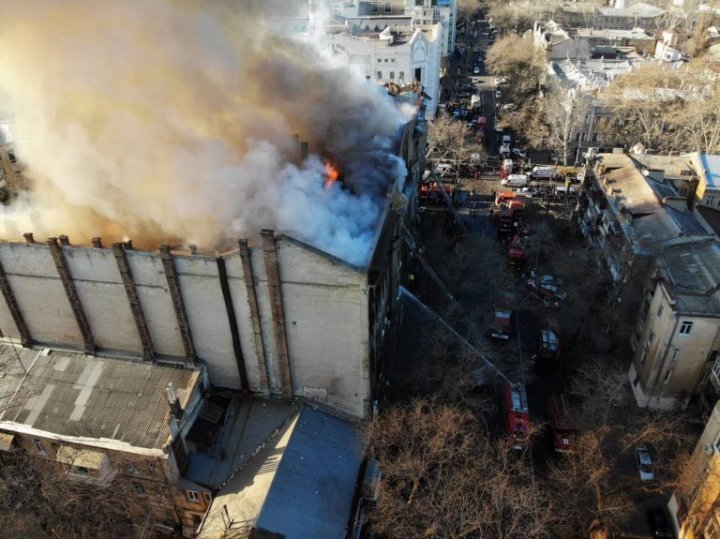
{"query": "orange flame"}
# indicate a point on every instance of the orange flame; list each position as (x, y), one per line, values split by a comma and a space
(332, 174)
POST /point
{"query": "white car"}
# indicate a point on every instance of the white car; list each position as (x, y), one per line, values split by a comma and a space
(505, 149)
(506, 139)
(443, 169)
(476, 70)
(515, 180)
(644, 463)
(498, 94)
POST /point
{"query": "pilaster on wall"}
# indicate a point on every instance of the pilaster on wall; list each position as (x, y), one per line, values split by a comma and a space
(14, 308)
(232, 320)
(272, 269)
(58, 256)
(178, 304)
(249, 278)
(133, 298)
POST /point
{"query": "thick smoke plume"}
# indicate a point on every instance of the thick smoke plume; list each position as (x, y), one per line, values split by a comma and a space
(170, 121)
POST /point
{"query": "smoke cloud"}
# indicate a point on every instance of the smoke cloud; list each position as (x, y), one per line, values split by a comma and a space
(172, 121)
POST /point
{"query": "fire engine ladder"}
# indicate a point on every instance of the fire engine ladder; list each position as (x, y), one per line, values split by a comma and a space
(446, 198)
(403, 292)
(410, 241)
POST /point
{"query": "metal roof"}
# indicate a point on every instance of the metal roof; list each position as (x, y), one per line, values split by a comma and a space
(71, 394)
(692, 272)
(311, 496)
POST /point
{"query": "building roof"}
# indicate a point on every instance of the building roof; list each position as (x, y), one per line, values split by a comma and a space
(692, 274)
(71, 394)
(609, 33)
(638, 199)
(312, 493)
(670, 166)
(641, 10)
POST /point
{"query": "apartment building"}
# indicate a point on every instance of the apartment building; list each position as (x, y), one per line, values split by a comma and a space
(666, 269)
(694, 506)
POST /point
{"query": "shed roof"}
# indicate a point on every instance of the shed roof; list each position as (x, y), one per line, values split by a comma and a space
(71, 394)
(311, 496)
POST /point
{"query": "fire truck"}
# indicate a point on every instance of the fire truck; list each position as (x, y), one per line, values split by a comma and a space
(563, 430)
(517, 416)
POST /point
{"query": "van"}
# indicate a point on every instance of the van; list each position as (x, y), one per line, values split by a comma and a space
(543, 172)
(562, 190)
(515, 180)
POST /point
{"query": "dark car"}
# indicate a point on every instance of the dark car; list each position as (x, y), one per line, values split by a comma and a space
(658, 523)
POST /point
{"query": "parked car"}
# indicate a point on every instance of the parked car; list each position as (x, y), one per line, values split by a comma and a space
(561, 424)
(522, 154)
(543, 172)
(476, 70)
(506, 139)
(498, 94)
(658, 522)
(515, 180)
(562, 190)
(505, 149)
(644, 463)
(502, 326)
(443, 169)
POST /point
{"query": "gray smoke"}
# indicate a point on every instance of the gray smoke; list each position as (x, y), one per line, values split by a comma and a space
(173, 121)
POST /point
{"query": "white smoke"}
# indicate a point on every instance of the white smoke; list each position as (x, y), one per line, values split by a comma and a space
(173, 121)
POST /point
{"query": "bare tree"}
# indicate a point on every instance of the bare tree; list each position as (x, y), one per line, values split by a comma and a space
(444, 477)
(564, 112)
(38, 501)
(664, 109)
(516, 58)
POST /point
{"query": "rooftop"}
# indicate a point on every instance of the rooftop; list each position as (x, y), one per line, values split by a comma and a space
(607, 33)
(71, 394)
(638, 10)
(301, 484)
(649, 210)
(692, 273)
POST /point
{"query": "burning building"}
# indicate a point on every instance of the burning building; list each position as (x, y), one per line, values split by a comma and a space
(191, 147)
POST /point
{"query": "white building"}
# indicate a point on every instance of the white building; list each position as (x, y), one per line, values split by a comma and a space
(401, 55)
(367, 13)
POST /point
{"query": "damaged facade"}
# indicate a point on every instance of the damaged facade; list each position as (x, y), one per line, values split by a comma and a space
(274, 316)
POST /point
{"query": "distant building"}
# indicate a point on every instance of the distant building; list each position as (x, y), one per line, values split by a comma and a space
(399, 55)
(639, 15)
(377, 14)
(598, 39)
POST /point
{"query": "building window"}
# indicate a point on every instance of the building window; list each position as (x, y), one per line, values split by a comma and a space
(12, 157)
(79, 470)
(660, 311)
(379, 74)
(139, 488)
(709, 201)
(392, 75)
(388, 7)
(193, 496)
(208, 498)
(392, 60)
(379, 60)
(131, 469)
(401, 76)
(39, 447)
(650, 339)
(668, 374)
(685, 328)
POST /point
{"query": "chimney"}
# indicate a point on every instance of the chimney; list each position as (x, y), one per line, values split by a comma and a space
(296, 143)
(304, 150)
(64, 240)
(97, 243)
(128, 245)
(29, 237)
(174, 401)
(193, 249)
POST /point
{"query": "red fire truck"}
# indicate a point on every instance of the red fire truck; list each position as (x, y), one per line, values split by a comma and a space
(563, 430)
(517, 416)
